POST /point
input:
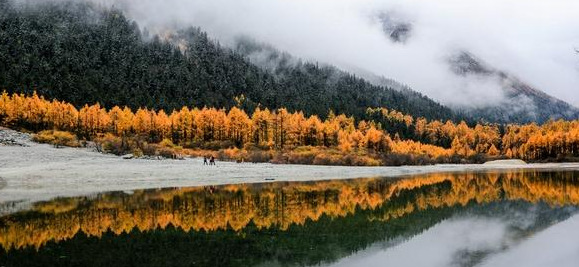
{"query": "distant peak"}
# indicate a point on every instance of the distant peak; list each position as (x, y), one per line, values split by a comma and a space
(396, 28)
(464, 63)
(522, 102)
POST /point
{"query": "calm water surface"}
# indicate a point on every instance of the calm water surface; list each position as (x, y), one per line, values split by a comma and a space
(516, 218)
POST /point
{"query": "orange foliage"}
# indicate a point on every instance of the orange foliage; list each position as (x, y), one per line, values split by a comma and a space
(280, 129)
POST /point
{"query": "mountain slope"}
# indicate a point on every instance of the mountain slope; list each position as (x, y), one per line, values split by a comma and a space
(84, 54)
(284, 66)
(522, 102)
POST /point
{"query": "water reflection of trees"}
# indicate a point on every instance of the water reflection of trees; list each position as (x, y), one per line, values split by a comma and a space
(277, 207)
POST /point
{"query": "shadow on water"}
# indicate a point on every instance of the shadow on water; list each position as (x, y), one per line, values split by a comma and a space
(285, 223)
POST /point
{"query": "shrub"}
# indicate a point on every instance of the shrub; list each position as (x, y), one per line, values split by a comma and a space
(137, 152)
(136, 145)
(65, 139)
(216, 145)
(204, 153)
(231, 154)
(110, 143)
(302, 155)
(361, 160)
(280, 158)
(166, 152)
(45, 137)
(259, 156)
(147, 149)
(56, 138)
(326, 159)
(167, 143)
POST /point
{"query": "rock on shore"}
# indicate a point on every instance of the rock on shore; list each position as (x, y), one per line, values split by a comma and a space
(506, 162)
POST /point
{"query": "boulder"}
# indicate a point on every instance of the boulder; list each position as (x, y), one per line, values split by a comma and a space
(128, 156)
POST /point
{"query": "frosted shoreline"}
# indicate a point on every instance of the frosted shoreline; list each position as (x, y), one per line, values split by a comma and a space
(37, 172)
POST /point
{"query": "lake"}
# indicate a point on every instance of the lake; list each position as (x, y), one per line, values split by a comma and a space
(496, 218)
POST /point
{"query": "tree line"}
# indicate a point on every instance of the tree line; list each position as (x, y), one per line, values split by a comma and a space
(266, 129)
(280, 129)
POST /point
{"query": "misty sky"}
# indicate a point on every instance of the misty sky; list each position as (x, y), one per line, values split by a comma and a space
(532, 39)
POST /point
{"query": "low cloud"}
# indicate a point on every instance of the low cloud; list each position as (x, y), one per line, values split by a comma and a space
(556, 246)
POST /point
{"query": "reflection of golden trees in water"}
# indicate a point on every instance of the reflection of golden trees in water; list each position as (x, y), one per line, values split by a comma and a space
(276, 205)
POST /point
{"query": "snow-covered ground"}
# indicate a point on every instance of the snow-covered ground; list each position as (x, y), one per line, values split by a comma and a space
(31, 172)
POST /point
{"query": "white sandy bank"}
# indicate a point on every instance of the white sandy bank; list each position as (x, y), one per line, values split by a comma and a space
(506, 162)
(40, 172)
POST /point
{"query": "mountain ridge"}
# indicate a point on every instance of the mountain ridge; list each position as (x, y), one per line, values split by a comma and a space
(540, 106)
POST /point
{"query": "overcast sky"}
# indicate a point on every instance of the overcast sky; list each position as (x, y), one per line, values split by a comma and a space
(532, 39)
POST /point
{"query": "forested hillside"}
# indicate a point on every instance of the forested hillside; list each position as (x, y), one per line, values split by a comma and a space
(291, 70)
(82, 53)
